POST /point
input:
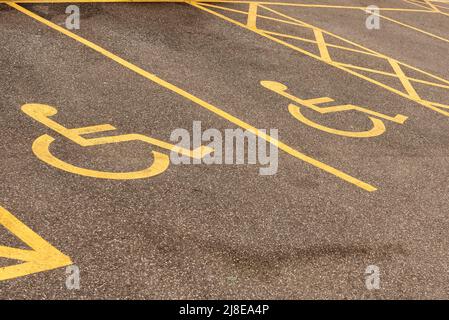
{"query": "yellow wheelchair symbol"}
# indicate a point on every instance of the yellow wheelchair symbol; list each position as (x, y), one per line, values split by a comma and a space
(41, 146)
(377, 129)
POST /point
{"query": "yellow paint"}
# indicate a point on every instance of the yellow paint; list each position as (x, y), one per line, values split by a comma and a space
(41, 147)
(42, 256)
(428, 104)
(322, 45)
(215, 1)
(379, 55)
(419, 5)
(202, 103)
(252, 14)
(431, 5)
(439, 5)
(445, 106)
(90, 1)
(412, 27)
(314, 41)
(41, 113)
(377, 129)
(442, 7)
(281, 89)
(389, 74)
(255, 16)
(433, 8)
(444, 13)
(404, 80)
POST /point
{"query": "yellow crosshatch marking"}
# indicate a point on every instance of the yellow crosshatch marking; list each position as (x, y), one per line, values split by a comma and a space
(42, 256)
(217, 111)
(318, 36)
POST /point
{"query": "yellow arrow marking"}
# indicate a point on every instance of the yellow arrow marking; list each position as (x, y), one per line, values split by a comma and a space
(42, 256)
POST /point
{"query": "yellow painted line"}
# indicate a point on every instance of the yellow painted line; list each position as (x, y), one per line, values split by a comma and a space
(433, 84)
(313, 27)
(441, 105)
(253, 6)
(221, 1)
(413, 28)
(444, 13)
(390, 74)
(252, 16)
(309, 5)
(90, 1)
(433, 8)
(329, 45)
(322, 45)
(442, 7)
(42, 256)
(246, 13)
(425, 73)
(419, 5)
(375, 53)
(404, 80)
(200, 102)
(378, 54)
(441, 12)
(287, 36)
(425, 103)
(394, 75)
(224, 8)
(431, 5)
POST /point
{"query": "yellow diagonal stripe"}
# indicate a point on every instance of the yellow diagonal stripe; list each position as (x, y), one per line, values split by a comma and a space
(252, 16)
(404, 80)
(324, 53)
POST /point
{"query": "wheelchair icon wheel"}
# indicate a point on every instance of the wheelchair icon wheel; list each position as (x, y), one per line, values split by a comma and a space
(41, 148)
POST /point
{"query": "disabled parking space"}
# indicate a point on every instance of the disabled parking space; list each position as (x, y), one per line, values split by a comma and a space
(230, 96)
(87, 117)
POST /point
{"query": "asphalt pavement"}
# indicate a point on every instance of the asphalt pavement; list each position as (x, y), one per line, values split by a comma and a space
(337, 203)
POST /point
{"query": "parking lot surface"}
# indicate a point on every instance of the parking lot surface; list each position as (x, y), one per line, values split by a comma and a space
(361, 184)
